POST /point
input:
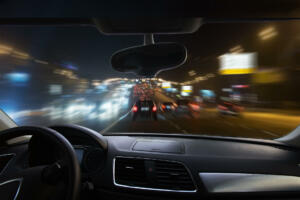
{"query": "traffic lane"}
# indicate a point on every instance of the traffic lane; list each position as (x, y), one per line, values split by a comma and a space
(269, 122)
(206, 125)
(212, 123)
(250, 124)
(205, 122)
(220, 127)
(161, 98)
(143, 125)
(280, 123)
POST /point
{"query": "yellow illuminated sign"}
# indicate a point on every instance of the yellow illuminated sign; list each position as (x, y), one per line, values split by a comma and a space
(166, 85)
(237, 71)
(238, 63)
(269, 77)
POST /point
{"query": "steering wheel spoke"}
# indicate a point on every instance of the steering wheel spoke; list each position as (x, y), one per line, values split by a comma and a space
(60, 180)
(19, 183)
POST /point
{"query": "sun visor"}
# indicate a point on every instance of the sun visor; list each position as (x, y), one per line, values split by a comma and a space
(148, 25)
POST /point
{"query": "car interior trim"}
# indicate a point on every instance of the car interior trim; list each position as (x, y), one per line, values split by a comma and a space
(7, 154)
(243, 182)
(149, 188)
(14, 180)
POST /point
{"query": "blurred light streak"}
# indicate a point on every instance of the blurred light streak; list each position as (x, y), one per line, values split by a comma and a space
(269, 36)
(240, 86)
(20, 55)
(269, 76)
(17, 77)
(192, 73)
(267, 33)
(236, 49)
(41, 62)
(6, 50)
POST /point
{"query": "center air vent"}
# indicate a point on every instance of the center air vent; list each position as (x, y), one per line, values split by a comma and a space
(130, 172)
(171, 175)
(152, 174)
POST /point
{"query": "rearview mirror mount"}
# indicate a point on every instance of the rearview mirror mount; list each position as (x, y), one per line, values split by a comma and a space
(149, 59)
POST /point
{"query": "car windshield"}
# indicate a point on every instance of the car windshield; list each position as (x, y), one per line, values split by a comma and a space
(145, 103)
(183, 102)
(239, 80)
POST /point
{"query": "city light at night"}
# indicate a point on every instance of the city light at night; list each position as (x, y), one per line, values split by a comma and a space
(254, 76)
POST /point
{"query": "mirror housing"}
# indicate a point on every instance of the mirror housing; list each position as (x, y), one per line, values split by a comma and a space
(148, 60)
(144, 25)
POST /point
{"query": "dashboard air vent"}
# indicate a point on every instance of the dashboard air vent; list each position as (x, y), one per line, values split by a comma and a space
(172, 175)
(152, 174)
(130, 172)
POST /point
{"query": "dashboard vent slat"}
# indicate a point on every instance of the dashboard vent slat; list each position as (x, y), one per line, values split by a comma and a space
(152, 174)
(130, 172)
(173, 175)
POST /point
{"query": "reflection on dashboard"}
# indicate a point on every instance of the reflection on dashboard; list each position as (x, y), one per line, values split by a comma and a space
(91, 159)
(79, 153)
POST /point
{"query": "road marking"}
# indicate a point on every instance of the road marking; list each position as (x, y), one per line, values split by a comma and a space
(177, 127)
(228, 123)
(184, 131)
(159, 116)
(114, 123)
(245, 127)
(270, 133)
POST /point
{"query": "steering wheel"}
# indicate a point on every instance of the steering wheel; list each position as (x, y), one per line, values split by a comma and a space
(34, 182)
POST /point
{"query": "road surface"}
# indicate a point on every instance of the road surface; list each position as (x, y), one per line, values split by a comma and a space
(207, 121)
(115, 117)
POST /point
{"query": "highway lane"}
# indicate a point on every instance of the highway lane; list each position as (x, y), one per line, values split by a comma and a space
(116, 117)
(256, 123)
(205, 124)
(142, 125)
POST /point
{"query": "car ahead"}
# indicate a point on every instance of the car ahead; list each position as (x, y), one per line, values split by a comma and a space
(229, 108)
(167, 106)
(144, 109)
(182, 106)
(195, 106)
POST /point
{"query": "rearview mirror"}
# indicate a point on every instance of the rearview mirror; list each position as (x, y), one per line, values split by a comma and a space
(149, 60)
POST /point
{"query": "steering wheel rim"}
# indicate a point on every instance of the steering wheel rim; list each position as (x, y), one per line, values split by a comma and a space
(93, 135)
(73, 186)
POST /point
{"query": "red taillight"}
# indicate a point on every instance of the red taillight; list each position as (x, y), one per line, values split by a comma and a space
(239, 108)
(135, 109)
(222, 107)
(154, 109)
(194, 106)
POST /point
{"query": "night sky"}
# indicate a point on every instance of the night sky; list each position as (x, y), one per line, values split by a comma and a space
(90, 51)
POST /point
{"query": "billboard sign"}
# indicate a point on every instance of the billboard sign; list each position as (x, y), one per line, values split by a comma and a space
(237, 63)
(166, 85)
(186, 90)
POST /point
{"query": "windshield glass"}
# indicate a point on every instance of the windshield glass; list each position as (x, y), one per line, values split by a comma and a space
(240, 80)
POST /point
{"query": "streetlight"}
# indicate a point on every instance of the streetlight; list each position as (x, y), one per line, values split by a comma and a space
(236, 49)
(192, 73)
(267, 33)
(210, 75)
(41, 62)
(5, 49)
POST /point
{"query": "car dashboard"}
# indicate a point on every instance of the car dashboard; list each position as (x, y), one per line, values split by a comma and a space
(139, 166)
